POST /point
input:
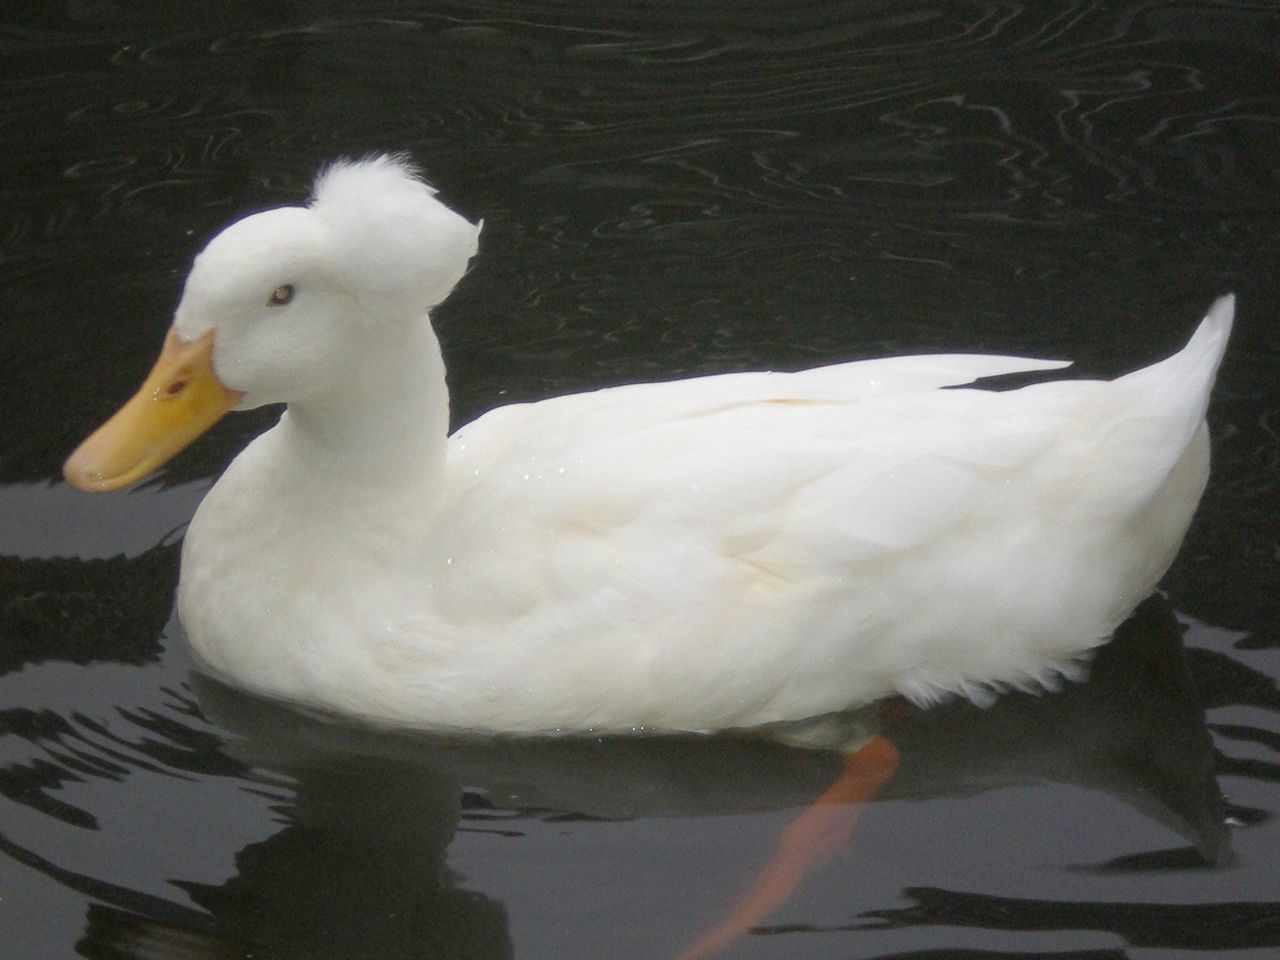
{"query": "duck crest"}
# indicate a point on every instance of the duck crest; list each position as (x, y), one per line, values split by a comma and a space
(393, 242)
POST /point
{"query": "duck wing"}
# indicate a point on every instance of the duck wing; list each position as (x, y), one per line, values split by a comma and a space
(790, 472)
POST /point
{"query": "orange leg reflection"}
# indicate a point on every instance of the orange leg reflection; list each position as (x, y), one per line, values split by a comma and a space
(807, 843)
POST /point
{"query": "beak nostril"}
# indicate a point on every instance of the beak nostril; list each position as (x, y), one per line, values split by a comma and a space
(175, 388)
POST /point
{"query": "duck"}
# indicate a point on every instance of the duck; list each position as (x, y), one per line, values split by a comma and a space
(717, 552)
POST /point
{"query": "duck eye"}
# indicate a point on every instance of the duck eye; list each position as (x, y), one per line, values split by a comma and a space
(281, 295)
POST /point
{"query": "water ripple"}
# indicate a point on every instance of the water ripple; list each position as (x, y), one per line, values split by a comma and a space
(668, 189)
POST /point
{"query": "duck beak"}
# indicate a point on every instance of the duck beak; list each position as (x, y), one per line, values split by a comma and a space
(180, 399)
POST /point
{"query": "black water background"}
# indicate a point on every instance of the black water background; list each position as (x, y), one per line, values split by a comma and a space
(666, 190)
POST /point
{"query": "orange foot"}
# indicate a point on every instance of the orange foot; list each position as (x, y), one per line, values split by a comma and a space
(806, 843)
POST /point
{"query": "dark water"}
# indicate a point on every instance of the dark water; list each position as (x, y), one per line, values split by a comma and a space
(666, 189)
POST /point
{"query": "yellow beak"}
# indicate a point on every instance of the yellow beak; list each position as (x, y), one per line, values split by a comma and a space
(180, 399)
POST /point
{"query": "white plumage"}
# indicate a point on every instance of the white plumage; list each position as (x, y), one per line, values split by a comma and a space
(713, 552)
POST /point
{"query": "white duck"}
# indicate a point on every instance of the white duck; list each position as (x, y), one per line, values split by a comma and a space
(715, 552)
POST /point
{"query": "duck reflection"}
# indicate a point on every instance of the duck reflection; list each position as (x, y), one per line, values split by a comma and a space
(1136, 729)
(359, 871)
(359, 868)
(85, 611)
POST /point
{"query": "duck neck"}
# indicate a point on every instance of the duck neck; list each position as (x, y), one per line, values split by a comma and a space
(382, 428)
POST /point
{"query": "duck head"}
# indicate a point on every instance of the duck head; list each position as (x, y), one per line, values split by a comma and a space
(277, 304)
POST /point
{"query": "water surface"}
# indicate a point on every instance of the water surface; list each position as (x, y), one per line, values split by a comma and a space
(666, 190)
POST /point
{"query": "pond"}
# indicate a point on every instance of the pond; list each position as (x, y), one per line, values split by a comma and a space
(667, 190)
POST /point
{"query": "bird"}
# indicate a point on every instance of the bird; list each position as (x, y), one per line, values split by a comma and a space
(725, 551)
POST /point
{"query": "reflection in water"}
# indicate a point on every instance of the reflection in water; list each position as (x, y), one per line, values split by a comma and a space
(360, 869)
(83, 611)
(1217, 926)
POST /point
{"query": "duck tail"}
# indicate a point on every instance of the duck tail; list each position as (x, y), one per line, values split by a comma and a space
(1191, 371)
(1176, 390)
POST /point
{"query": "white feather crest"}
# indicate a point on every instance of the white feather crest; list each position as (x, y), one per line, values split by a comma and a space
(396, 247)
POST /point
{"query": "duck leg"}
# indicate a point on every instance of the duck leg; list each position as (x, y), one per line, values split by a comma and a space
(806, 843)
